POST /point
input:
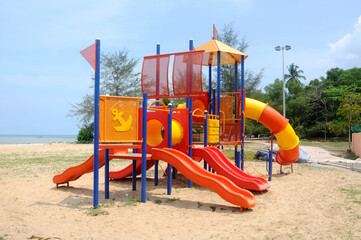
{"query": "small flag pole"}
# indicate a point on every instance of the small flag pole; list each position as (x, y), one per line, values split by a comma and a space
(96, 125)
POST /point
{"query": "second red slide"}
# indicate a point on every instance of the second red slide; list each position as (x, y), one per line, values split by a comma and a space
(221, 164)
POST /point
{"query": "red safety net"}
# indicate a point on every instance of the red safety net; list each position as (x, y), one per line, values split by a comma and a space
(230, 127)
(155, 76)
(187, 73)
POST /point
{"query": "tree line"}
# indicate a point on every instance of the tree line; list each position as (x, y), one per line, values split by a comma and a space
(325, 107)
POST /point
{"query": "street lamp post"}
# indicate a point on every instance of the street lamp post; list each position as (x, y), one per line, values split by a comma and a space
(279, 48)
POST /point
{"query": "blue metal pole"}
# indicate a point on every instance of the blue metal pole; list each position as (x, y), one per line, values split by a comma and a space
(169, 171)
(237, 159)
(242, 113)
(219, 91)
(190, 102)
(134, 175)
(270, 156)
(106, 174)
(218, 82)
(270, 159)
(96, 126)
(144, 149)
(157, 104)
(205, 135)
(209, 85)
(190, 71)
(134, 171)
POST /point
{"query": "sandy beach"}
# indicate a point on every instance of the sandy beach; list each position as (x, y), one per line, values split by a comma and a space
(314, 202)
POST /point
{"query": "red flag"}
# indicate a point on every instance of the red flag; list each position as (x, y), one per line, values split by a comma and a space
(90, 55)
(214, 31)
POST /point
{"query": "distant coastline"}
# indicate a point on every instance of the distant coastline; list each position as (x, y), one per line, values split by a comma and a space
(16, 139)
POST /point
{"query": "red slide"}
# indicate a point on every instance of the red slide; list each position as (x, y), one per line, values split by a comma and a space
(75, 172)
(219, 184)
(221, 164)
(128, 171)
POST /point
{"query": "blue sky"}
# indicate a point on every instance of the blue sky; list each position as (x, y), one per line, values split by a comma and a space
(42, 71)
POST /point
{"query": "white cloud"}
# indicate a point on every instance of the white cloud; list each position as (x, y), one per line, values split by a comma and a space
(346, 52)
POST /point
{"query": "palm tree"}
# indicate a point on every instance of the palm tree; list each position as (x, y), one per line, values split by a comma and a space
(294, 74)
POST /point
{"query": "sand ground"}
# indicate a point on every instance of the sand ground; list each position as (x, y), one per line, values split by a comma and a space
(312, 203)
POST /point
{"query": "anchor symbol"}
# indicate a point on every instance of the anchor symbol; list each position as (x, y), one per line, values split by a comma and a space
(125, 125)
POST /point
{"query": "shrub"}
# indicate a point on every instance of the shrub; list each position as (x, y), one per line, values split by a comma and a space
(85, 134)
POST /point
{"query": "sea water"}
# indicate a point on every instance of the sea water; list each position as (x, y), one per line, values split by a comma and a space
(15, 139)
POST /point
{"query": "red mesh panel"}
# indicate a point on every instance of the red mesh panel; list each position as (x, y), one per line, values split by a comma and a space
(232, 132)
(155, 76)
(187, 73)
(231, 128)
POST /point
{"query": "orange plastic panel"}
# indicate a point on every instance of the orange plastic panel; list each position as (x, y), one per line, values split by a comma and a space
(118, 119)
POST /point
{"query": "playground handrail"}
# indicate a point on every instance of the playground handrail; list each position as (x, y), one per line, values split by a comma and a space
(158, 109)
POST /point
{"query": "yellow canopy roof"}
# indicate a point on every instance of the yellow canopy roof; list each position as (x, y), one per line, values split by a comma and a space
(229, 55)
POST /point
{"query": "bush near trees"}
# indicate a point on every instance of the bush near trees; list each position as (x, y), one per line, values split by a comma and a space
(85, 134)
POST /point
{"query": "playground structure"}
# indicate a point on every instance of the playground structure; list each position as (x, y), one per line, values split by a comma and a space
(157, 132)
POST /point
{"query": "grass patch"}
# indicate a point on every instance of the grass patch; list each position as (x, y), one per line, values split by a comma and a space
(132, 202)
(4, 236)
(353, 193)
(170, 200)
(100, 209)
(157, 201)
(195, 185)
(337, 147)
(108, 205)
(351, 155)
(96, 211)
(200, 204)
(213, 208)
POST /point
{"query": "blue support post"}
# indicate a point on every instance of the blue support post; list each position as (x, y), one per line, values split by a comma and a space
(205, 135)
(209, 85)
(218, 82)
(219, 92)
(169, 171)
(190, 106)
(96, 127)
(106, 174)
(236, 153)
(157, 104)
(134, 171)
(144, 149)
(270, 160)
(242, 113)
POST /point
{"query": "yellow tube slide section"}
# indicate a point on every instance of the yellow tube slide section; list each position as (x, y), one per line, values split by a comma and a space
(288, 141)
(155, 132)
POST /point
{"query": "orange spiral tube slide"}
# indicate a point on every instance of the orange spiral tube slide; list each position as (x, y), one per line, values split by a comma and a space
(288, 141)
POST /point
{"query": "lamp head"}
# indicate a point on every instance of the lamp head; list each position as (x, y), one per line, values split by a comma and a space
(287, 47)
(278, 48)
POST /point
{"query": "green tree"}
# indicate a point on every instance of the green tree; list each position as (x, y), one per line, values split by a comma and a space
(317, 109)
(273, 94)
(294, 73)
(293, 79)
(231, 37)
(117, 78)
(349, 113)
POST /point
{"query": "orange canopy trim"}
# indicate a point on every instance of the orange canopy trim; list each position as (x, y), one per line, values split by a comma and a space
(229, 55)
